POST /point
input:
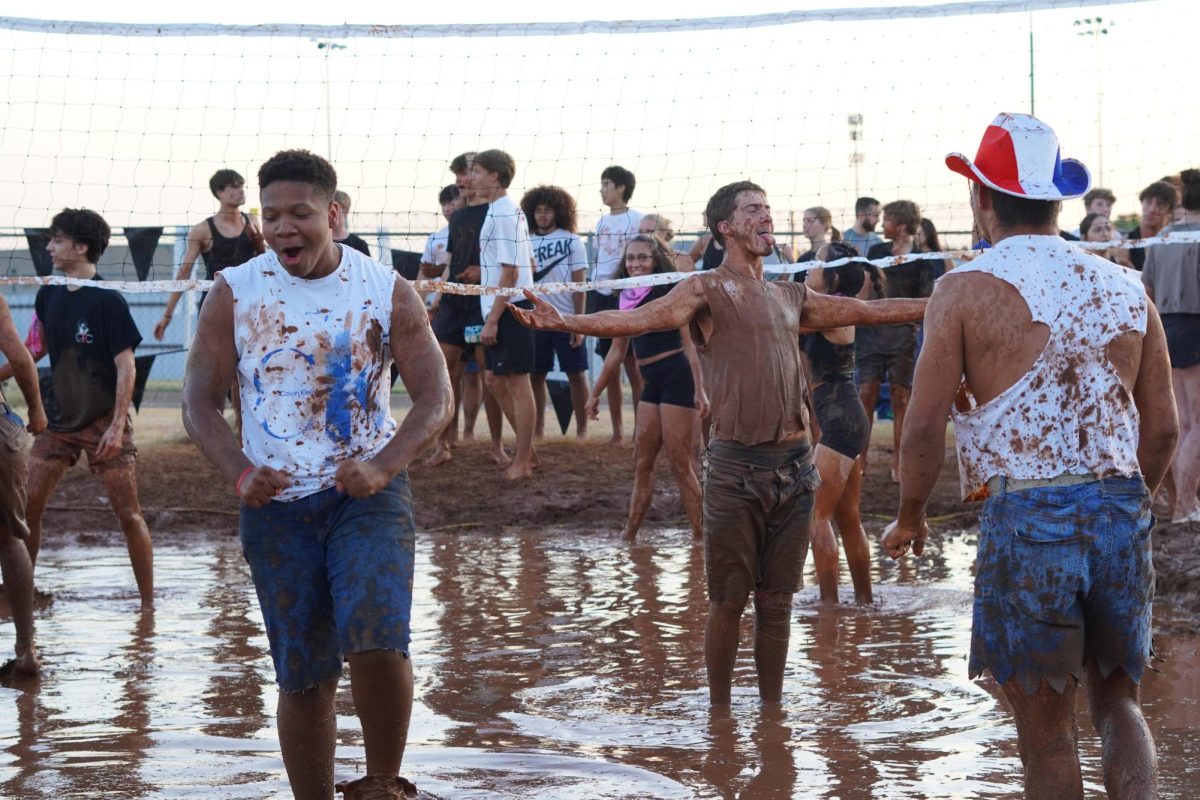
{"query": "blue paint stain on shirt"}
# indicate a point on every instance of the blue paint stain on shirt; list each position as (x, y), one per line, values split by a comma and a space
(346, 391)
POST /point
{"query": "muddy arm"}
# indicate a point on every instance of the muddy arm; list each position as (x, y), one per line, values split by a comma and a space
(674, 310)
(923, 444)
(1155, 401)
(823, 311)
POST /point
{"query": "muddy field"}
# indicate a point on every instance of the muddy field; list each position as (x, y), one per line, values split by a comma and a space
(580, 485)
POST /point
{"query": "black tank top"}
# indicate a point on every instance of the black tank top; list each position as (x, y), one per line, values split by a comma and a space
(830, 362)
(714, 254)
(226, 251)
(655, 342)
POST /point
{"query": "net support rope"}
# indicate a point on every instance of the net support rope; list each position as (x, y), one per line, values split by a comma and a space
(446, 287)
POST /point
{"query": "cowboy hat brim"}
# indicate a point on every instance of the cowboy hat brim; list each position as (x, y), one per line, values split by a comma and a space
(1074, 180)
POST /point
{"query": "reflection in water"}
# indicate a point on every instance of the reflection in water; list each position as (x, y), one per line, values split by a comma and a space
(549, 665)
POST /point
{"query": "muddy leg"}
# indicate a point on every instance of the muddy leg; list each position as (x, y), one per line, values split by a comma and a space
(307, 732)
(1048, 740)
(1127, 754)
(720, 647)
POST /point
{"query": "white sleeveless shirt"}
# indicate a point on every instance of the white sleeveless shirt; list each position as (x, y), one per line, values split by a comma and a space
(1070, 414)
(313, 366)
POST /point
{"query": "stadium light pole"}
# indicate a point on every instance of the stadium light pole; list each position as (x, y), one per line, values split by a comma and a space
(855, 121)
(328, 47)
(1095, 27)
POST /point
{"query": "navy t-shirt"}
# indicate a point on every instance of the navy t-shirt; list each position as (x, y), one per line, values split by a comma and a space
(85, 329)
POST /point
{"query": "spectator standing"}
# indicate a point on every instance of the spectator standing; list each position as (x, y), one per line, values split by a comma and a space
(1172, 278)
(226, 239)
(613, 230)
(862, 233)
(1158, 211)
(342, 234)
(560, 257)
(506, 261)
(889, 351)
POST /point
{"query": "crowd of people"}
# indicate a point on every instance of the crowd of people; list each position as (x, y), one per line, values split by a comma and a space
(1068, 376)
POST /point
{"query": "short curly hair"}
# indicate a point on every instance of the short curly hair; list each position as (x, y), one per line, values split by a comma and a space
(300, 166)
(556, 198)
(83, 226)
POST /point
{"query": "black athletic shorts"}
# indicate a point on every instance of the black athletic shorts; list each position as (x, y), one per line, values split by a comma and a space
(668, 382)
(513, 352)
(453, 318)
(602, 302)
(549, 344)
(1183, 339)
(844, 422)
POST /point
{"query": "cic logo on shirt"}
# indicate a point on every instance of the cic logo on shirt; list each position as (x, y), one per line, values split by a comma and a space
(82, 334)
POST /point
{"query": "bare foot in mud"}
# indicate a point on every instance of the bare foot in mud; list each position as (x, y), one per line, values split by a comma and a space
(468, 437)
(22, 668)
(439, 456)
(516, 471)
(629, 534)
(616, 438)
(502, 459)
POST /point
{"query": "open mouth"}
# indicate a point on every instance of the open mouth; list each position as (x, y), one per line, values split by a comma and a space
(768, 237)
(290, 256)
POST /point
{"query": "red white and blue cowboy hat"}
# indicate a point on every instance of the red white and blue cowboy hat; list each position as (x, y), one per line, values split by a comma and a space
(1019, 155)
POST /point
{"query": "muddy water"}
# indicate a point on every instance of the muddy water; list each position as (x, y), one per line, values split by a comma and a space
(549, 665)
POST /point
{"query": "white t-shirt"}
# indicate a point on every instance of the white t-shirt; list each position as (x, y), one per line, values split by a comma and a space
(436, 252)
(612, 232)
(503, 239)
(558, 254)
(313, 366)
(435, 248)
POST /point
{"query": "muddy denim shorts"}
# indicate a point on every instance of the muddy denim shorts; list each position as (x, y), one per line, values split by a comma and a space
(14, 455)
(1064, 576)
(334, 575)
(758, 505)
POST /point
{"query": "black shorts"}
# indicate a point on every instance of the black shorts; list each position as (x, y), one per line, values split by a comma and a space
(453, 318)
(896, 368)
(1183, 339)
(843, 420)
(512, 354)
(668, 382)
(548, 344)
(602, 302)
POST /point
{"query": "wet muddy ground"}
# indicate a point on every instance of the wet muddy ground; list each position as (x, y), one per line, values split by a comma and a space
(552, 659)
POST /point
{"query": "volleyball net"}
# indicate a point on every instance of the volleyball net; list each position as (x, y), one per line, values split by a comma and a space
(819, 107)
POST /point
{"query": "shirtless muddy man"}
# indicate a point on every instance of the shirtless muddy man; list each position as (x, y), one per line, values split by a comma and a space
(758, 476)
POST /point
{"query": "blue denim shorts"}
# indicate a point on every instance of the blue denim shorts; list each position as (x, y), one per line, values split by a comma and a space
(1064, 576)
(334, 575)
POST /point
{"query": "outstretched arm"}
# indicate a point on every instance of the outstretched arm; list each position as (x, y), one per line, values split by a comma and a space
(823, 311)
(923, 444)
(674, 310)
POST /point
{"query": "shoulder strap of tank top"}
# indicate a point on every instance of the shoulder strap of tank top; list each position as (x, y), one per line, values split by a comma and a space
(212, 227)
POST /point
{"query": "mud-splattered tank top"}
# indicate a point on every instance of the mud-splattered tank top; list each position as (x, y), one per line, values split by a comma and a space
(1070, 414)
(748, 341)
(312, 366)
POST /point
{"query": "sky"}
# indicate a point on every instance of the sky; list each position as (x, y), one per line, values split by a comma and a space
(133, 126)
